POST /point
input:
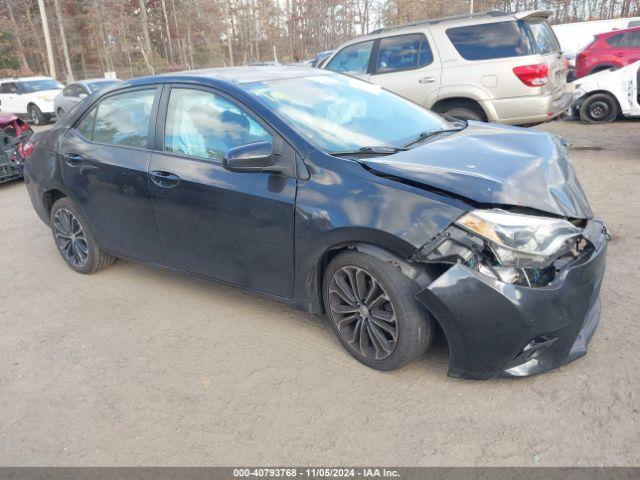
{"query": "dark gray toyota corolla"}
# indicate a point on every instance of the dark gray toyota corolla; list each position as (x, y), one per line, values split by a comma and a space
(337, 197)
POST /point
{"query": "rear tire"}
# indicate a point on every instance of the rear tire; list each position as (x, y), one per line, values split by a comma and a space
(380, 323)
(599, 108)
(74, 238)
(36, 117)
(463, 111)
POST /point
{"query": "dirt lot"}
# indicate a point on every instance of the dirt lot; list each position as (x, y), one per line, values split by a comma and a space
(136, 366)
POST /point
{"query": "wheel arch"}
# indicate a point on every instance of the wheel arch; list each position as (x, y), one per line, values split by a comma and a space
(50, 197)
(443, 103)
(389, 253)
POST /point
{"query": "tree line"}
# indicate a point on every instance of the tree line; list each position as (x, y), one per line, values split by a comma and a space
(139, 37)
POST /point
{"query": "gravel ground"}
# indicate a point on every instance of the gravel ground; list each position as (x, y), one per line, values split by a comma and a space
(137, 366)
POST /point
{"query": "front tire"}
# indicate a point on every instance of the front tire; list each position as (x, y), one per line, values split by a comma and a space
(599, 108)
(74, 239)
(371, 307)
(35, 115)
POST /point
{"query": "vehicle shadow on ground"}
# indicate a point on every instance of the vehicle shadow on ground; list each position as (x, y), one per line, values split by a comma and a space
(273, 314)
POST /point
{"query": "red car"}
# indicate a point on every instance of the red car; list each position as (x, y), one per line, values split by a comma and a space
(14, 146)
(614, 49)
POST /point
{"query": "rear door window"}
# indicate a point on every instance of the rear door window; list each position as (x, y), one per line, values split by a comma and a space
(121, 119)
(353, 59)
(403, 52)
(491, 40)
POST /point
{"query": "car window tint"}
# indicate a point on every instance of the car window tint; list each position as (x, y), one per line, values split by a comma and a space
(403, 52)
(85, 126)
(203, 124)
(490, 40)
(615, 40)
(543, 36)
(353, 59)
(630, 40)
(8, 88)
(68, 91)
(124, 119)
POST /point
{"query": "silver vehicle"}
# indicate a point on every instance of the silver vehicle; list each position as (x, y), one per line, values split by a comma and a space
(496, 66)
(76, 91)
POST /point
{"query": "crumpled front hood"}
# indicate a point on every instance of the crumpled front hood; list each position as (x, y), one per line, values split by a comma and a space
(494, 165)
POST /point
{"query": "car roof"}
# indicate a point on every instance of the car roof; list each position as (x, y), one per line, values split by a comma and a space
(23, 79)
(468, 19)
(617, 32)
(235, 75)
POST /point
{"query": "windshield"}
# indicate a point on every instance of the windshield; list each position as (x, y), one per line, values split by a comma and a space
(340, 113)
(95, 86)
(30, 86)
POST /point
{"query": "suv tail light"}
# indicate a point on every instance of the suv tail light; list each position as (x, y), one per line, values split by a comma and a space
(533, 75)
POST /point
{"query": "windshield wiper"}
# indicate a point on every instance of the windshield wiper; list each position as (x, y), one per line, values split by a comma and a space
(371, 150)
(432, 133)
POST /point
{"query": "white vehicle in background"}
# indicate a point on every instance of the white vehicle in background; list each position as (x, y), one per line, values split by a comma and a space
(573, 37)
(29, 97)
(603, 96)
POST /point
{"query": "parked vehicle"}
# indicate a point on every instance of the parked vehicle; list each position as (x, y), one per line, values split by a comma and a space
(29, 97)
(336, 196)
(495, 66)
(573, 37)
(321, 58)
(14, 146)
(76, 91)
(604, 96)
(609, 50)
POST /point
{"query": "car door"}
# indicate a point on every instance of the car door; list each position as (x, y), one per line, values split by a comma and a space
(235, 227)
(9, 93)
(407, 65)
(104, 160)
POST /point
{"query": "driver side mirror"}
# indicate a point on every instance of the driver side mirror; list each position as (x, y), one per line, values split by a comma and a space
(251, 158)
(83, 95)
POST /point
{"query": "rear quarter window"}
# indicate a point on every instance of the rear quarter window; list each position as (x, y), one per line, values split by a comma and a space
(491, 40)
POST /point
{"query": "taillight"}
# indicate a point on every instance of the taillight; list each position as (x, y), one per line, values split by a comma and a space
(27, 150)
(533, 75)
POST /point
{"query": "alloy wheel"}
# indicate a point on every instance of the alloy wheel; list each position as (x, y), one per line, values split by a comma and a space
(70, 238)
(363, 312)
(599, 110)
(35, 119)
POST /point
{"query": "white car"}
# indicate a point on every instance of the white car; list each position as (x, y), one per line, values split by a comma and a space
(29, 97)
(603, 96)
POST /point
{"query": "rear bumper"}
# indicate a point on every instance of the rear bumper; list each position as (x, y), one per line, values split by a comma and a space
(532, 109)
(495, 328)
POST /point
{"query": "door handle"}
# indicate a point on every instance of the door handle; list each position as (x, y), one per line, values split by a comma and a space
(73, 159)
(164, 179)
(427, 80)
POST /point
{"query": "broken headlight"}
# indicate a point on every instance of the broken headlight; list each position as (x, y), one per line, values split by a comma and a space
(522, 241)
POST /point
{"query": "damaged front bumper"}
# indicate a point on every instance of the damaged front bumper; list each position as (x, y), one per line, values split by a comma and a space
(495, 328)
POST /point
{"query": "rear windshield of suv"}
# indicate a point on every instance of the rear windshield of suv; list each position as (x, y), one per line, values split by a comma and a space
(487, 41)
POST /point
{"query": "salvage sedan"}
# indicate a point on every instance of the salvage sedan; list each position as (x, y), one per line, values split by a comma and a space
(338, 197)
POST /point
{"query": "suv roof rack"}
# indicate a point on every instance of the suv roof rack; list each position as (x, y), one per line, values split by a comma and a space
(433, 21)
